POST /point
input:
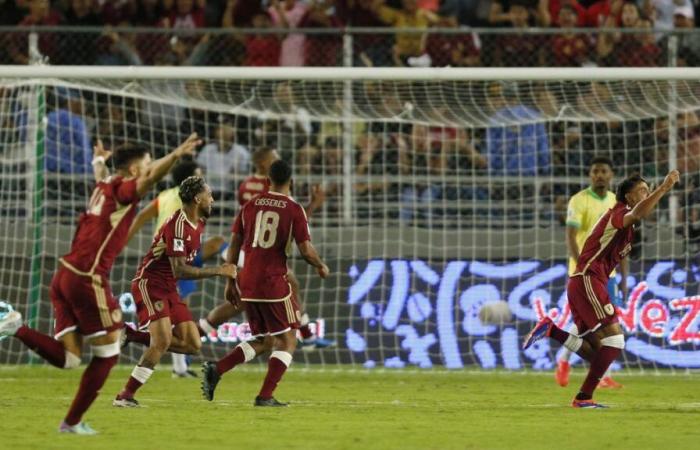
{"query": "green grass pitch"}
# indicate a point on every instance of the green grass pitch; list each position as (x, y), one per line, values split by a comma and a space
(343, 409)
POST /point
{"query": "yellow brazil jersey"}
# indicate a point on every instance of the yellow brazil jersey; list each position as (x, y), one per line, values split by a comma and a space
(585, 208)
(168, 202)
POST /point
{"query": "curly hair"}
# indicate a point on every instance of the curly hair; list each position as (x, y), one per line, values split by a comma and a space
(190, 187)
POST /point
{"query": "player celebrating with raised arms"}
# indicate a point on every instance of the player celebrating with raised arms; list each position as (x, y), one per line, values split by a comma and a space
(159, 307)
(84, 308)
(264, 230)
(583, 212)
(600, 340)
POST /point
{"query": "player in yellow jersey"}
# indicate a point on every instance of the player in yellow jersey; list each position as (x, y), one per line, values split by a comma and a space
(584, 210)
(161, 208)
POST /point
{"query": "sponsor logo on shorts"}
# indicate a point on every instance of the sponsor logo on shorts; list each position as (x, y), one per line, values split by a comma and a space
(158, 306)
(609, 309)
(116, 315)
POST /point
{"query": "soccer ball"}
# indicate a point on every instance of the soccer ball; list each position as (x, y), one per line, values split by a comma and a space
(5, 309)
(495, 313)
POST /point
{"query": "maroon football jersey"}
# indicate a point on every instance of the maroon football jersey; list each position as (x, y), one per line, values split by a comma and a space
(103, 227)
(177, 237)
(252, 186)
(268, 223)
(607, 244)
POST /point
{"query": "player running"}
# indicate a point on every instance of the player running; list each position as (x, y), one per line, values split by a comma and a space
(161, 209)
(264, 229)
(254, 185)
(585, 208)
(84, 308)
(159, 307)
(600, 340)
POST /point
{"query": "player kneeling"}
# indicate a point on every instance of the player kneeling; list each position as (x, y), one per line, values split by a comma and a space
(263, 230)
(159, 307)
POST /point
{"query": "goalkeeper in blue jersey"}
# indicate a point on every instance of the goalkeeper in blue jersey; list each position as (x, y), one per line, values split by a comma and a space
(584, 210)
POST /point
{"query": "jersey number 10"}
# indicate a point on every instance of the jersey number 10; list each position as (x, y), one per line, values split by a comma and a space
(266, 223)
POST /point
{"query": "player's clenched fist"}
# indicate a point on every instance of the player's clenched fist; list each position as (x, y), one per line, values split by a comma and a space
(323, 271)
(672, 178)
(228, 270)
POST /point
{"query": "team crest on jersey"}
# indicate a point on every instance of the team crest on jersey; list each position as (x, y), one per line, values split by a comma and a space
(609, 309)
(158, 306)
(116, 315)
(178, 245)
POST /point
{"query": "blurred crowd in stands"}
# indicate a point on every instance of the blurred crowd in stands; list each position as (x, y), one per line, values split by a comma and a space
(443, 168)
(239, 32)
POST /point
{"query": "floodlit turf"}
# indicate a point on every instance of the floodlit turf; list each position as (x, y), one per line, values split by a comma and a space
(354, 409)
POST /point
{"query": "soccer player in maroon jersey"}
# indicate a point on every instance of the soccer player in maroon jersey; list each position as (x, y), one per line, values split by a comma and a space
(254, 185)
(158, 304)
(264, 229)
(600, 340)
(84, 308)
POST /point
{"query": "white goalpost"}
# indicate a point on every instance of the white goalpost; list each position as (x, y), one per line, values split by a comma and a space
(446, 190)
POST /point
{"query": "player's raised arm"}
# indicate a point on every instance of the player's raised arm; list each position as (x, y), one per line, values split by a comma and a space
(150, 212)
(310, 255)
(99, 161)
(634, 191)
(160, 167)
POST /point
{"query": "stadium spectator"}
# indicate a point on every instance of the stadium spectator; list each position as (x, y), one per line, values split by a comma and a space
(240, 13)
(223, 157)
(40, 13)
(688, 142)
(551, 13)
(516, 140)
(569, 49)
(455, 50)
(68, 144)
(79, 48)
(519, 49)
(661, 12)
(263, 49)
(409, 49)
(322, 49)
(598, 13)
(628, 49)
(368, 49)
(186, 15)
(688, 44)
(289, 14)
(118, 50)
(501, 13)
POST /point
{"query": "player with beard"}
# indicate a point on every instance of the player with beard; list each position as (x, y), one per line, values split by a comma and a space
(159, 306)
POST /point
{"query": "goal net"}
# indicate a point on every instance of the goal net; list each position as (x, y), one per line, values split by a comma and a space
(446, 190)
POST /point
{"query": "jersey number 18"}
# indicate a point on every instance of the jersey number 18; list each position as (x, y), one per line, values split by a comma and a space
(266, 223)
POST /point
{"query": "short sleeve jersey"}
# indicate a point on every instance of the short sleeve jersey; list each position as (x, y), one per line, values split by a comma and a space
(584, 210)
(252, 186)
(608, 243)
(268, 224)
(178, 237)
(103, 227)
